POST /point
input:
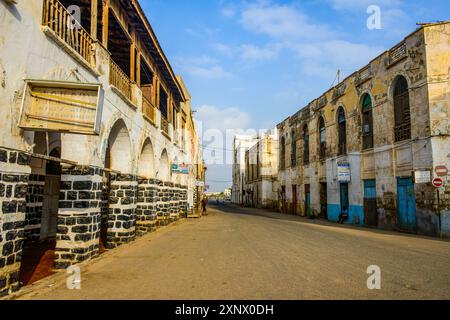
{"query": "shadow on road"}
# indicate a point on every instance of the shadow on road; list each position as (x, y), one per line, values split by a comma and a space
(230, 208)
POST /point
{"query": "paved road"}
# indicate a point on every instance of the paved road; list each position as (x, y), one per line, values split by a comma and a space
(252, 254)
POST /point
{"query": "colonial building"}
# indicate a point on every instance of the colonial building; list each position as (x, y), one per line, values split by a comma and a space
(375, 142)
(97, 145)
(241, 144)
(261, 176)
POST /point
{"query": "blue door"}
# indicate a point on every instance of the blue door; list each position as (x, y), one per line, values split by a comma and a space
(406, 204)
(370, 203)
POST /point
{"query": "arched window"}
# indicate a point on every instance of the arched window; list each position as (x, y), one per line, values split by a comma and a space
(342, 131)
(402, 110)
(367, 122)
(293, 149)
(305, 145)
(282, 153)
(322, 139)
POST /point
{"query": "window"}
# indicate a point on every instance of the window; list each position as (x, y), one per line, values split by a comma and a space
(305, 145)
(367, 122)
(163, 103)
(293, 150)
(402, 110)
(322, 139)
(282, 154)
(342, 132)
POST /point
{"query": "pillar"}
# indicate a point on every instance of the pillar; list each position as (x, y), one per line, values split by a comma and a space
(79, 215)
(146, 216)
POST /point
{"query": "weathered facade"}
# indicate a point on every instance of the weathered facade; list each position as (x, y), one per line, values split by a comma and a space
(241, 144)
(261, 176)
(85, 185)
(362, 143)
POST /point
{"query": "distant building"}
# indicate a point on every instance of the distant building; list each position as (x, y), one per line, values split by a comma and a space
(240, 145)
(261, 163)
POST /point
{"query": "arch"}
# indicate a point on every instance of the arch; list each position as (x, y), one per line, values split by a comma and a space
(146, 163)
(164, 167)
(402, 110)
(342, 131)
(322, 138)
(119, 154)
(293, 149)
(306, 152)
(367, 121)
(282, 153)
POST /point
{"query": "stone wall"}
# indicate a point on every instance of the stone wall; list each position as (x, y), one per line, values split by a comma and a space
(146, 216)
(14, 175)
(79, 215)
(122, 210)
(34, 201)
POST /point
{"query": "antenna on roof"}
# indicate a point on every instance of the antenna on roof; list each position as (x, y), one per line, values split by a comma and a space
(338, 78)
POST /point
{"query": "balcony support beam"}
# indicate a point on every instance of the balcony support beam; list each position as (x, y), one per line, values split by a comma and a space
(105, 23)
(94, 18)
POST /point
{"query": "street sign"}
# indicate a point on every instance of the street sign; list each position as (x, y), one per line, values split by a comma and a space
(422, 176)
(344, 172)
(441, 171)
(438, 182)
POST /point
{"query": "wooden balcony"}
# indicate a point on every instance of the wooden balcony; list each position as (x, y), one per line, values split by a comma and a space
(58, 19)
(120, 80)
(149, 110)
(398, 53)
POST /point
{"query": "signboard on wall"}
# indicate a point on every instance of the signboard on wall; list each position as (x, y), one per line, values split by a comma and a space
(66, 107)
(344, 173)
(180, 168)
(422, 176)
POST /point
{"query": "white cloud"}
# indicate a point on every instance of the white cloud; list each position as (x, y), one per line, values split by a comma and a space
(252, 52)
(204, 67)
(281, 22)
(352, 5)
(223, 49)
(228, 12)
(324, 58)
(222, 119)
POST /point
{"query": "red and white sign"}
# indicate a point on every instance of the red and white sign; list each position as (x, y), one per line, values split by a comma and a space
(438, 182)
(441, 171)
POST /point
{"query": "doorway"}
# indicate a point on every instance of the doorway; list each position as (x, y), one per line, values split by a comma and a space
(38, 256)
(294, 199)
(308, 201)
(323, 200)
(370, 203)
(345, 202)
(406, 208)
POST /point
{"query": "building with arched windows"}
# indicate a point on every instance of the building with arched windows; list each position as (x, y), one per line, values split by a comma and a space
(98, 144)
(372, 143)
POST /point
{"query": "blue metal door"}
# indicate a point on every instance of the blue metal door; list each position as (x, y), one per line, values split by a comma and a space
(370, 203)
(406, 204)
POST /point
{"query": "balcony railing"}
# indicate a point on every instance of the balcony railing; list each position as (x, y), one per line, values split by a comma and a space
(148, 110)
(165, 126)
(363, 75)
(120, 80)
(397, 53)
(59, 20)
(403, 131)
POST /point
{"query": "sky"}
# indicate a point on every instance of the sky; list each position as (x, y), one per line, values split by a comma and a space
(251, 64)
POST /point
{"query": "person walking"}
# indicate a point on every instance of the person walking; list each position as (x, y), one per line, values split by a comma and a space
(204, 203)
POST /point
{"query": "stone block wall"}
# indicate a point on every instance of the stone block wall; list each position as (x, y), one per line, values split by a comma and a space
(34, 201)
(14, 175)
(79, 216)
(122, 210)
(146, 217)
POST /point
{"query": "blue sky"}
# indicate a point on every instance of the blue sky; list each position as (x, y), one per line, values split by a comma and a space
(251, 64)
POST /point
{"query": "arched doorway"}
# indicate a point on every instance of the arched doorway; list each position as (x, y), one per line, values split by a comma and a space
(164, 167)
(117, 158)
(146, 164)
